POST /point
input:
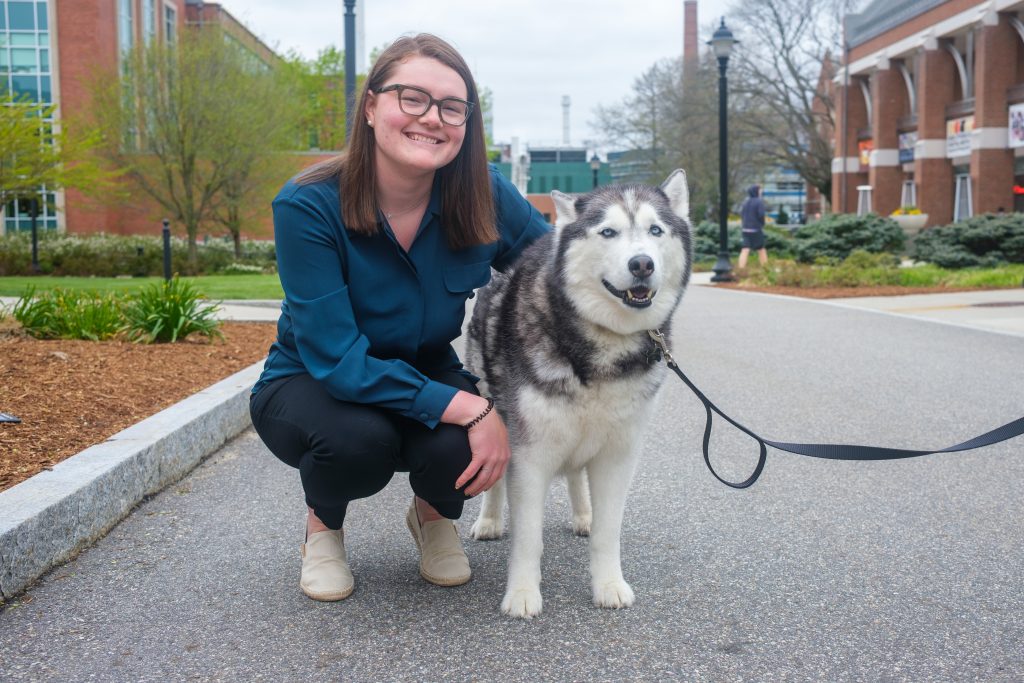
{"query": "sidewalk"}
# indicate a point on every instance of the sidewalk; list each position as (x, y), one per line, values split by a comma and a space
(48, 518)
(822, 571)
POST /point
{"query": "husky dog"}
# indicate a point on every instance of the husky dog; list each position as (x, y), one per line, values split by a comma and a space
(561, 344)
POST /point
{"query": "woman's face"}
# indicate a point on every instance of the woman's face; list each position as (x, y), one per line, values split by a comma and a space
(408, 144)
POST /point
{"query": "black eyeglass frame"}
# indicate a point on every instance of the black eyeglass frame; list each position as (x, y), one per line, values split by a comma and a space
(399, 87)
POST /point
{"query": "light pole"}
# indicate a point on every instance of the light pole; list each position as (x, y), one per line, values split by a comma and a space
(721, 42)
(350, 65)
(595, 166)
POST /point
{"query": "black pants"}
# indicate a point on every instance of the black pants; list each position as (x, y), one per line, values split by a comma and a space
(345, 451)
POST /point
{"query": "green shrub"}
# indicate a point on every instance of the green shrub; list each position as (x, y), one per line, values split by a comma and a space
(169, 311)
(836, 236)
(113, 255)
(987, 240)
(70, 314)
(706, 239)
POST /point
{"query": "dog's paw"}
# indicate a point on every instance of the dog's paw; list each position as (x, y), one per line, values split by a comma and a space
(522, 603)
(581, 525)
(613, 594)
(485, 529)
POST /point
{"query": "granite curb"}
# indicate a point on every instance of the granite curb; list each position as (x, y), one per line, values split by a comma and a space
(47, 519)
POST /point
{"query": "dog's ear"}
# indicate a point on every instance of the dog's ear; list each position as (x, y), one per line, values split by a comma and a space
(678, 193)
(565, 208)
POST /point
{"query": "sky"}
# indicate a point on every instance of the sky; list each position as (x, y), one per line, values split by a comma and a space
(529, 53)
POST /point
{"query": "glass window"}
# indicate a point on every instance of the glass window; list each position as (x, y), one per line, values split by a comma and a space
(148, 19)
(44, 39)
(26, 85)
(170, 24)
(124, 25)
(44, 89)
(23, 39)
(44, 60)
(962, 204)
(22, 16)
(41, 20)
(909, 195)
(5, 60)
(24, 60)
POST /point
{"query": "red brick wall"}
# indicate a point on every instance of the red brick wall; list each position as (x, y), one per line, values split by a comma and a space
(918, 23)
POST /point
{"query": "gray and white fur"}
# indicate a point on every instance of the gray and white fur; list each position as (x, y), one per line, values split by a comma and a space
(561, 344)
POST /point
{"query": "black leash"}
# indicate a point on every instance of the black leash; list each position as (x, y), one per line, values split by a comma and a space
(820, 450)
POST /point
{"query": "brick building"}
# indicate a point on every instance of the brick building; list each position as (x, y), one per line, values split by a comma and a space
(50, 50)
(926, 94)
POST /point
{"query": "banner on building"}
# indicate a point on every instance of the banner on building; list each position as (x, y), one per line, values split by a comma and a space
(907, 142)
(1016, 125)
(864, 148)
(958, 136)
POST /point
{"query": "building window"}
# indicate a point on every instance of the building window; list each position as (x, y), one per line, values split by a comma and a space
(148, 20)
(25, 71)
(125, 35)
(962, 205)
(170, 24)
(909, 194)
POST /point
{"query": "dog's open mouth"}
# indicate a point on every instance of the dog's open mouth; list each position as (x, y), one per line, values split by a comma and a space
(637, 297)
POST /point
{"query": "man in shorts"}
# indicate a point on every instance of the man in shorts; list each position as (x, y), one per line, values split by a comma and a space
(752, 216)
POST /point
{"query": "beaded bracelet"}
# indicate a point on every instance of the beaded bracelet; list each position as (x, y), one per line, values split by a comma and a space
(476, 420)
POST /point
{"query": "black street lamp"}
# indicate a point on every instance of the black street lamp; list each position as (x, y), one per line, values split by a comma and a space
(350, 65)
(721, 42)
(595, 166)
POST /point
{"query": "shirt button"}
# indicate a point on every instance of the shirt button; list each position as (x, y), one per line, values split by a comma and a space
(424, 416)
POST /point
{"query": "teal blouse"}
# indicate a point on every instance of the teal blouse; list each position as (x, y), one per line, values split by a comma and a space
(367, 319)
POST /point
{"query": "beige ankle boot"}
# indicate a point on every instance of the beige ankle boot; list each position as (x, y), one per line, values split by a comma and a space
(442, 560)
(325, 572)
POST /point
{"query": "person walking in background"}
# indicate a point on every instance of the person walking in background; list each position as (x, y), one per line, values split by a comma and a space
(752, 217)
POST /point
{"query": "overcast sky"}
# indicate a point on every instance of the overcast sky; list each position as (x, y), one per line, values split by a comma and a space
(529, 53)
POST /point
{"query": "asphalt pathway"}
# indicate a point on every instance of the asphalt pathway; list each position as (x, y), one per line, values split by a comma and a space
(831, 571)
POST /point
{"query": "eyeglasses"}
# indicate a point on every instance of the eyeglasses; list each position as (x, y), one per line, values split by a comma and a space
(417, 102)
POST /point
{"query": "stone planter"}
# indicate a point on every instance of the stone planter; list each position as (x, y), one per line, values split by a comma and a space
(911, 223)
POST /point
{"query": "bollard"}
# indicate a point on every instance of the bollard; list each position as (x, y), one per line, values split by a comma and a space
(167, 250)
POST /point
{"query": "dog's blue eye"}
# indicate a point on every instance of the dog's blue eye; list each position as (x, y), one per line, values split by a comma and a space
(656, 230)
(608, 232)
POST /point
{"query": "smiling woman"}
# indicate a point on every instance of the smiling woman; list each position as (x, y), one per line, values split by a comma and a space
(378, 251)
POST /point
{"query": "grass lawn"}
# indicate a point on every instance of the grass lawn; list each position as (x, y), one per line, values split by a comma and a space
(211, 286)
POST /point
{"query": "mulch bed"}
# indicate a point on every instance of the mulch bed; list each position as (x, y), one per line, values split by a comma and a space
(845, 292)
(73, 394)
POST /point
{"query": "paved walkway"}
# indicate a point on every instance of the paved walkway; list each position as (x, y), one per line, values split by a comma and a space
(823, 571)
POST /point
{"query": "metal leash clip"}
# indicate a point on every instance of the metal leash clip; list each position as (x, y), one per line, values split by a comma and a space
(659, 339)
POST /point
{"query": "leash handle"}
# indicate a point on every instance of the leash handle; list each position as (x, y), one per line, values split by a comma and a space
(819, 450)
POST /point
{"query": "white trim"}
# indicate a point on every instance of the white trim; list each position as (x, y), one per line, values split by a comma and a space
(927, 38)
(990, 138)
(961, 69)
(884, 158)
(852, 165)
(930, 149)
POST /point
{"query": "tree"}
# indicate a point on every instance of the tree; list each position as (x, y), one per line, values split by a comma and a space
(667, 123)
(784, 51)
(193, 123)
(36, 153)
(320, 86)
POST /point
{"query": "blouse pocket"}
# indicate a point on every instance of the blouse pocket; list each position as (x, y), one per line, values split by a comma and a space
(466, 278)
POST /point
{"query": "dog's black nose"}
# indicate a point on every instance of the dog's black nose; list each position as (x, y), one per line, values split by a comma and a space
(641, 266)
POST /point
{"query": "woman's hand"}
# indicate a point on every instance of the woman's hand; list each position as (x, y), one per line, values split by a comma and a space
(488, 442)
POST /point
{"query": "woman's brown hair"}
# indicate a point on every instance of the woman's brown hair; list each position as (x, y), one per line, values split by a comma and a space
(467, 204)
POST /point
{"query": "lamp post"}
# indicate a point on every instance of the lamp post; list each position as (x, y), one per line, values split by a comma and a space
(595, 166)
(721, 42)
(350, 65)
